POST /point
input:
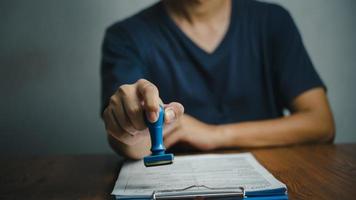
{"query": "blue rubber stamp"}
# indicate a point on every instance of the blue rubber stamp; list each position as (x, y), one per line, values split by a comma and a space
(158, 156)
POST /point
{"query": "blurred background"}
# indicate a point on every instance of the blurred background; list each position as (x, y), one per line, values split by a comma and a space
(49, 68)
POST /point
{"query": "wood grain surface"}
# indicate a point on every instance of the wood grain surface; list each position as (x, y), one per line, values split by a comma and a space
(310, 172)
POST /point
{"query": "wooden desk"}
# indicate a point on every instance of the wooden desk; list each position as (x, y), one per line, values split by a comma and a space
(310, 172)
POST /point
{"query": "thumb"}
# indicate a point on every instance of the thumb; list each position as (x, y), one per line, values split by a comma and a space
(173, 111)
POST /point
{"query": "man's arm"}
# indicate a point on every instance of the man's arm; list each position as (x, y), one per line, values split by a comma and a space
(311, 120)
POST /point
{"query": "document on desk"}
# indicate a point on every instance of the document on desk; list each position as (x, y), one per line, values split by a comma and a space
(135, 181)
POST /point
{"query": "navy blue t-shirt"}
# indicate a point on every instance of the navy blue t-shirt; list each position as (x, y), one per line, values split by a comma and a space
(257, 70)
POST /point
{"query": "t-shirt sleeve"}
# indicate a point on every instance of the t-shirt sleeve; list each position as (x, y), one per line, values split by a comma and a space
(292, 67)
(120, 63)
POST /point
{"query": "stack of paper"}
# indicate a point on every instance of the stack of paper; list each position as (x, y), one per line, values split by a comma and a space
(205, 173)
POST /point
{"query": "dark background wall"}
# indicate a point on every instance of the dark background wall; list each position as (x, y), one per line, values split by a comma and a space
(49, 68)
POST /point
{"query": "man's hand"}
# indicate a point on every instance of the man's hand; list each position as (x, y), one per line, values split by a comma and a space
(195, 133)
(124, 116)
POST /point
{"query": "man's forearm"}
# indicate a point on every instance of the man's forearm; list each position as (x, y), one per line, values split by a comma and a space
(294, 129)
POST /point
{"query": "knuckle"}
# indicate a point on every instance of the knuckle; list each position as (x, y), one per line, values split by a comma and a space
(112, 100)
(141, 80)
(124, 90)
(180, 110)
(133, 110)
(177, 108)
(150, 89)
(154, 87)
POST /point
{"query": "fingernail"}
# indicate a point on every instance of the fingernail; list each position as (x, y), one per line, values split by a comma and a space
(153, 117)
(170, 115)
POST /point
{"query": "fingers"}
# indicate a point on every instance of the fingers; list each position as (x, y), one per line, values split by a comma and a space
(150, 96)
(132, 107)
(173, 111)
(124, 116)
(119, 112)
(115, 131)
(111, 124)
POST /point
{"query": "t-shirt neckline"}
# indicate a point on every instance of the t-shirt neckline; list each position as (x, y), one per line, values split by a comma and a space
(186, 39)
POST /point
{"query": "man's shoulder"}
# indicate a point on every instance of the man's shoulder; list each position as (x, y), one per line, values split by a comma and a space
(137, 23)
(266, 16)
(263, 5)
(261, 8)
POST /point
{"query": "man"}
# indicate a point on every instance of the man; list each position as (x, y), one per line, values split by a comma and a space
(235, 65)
